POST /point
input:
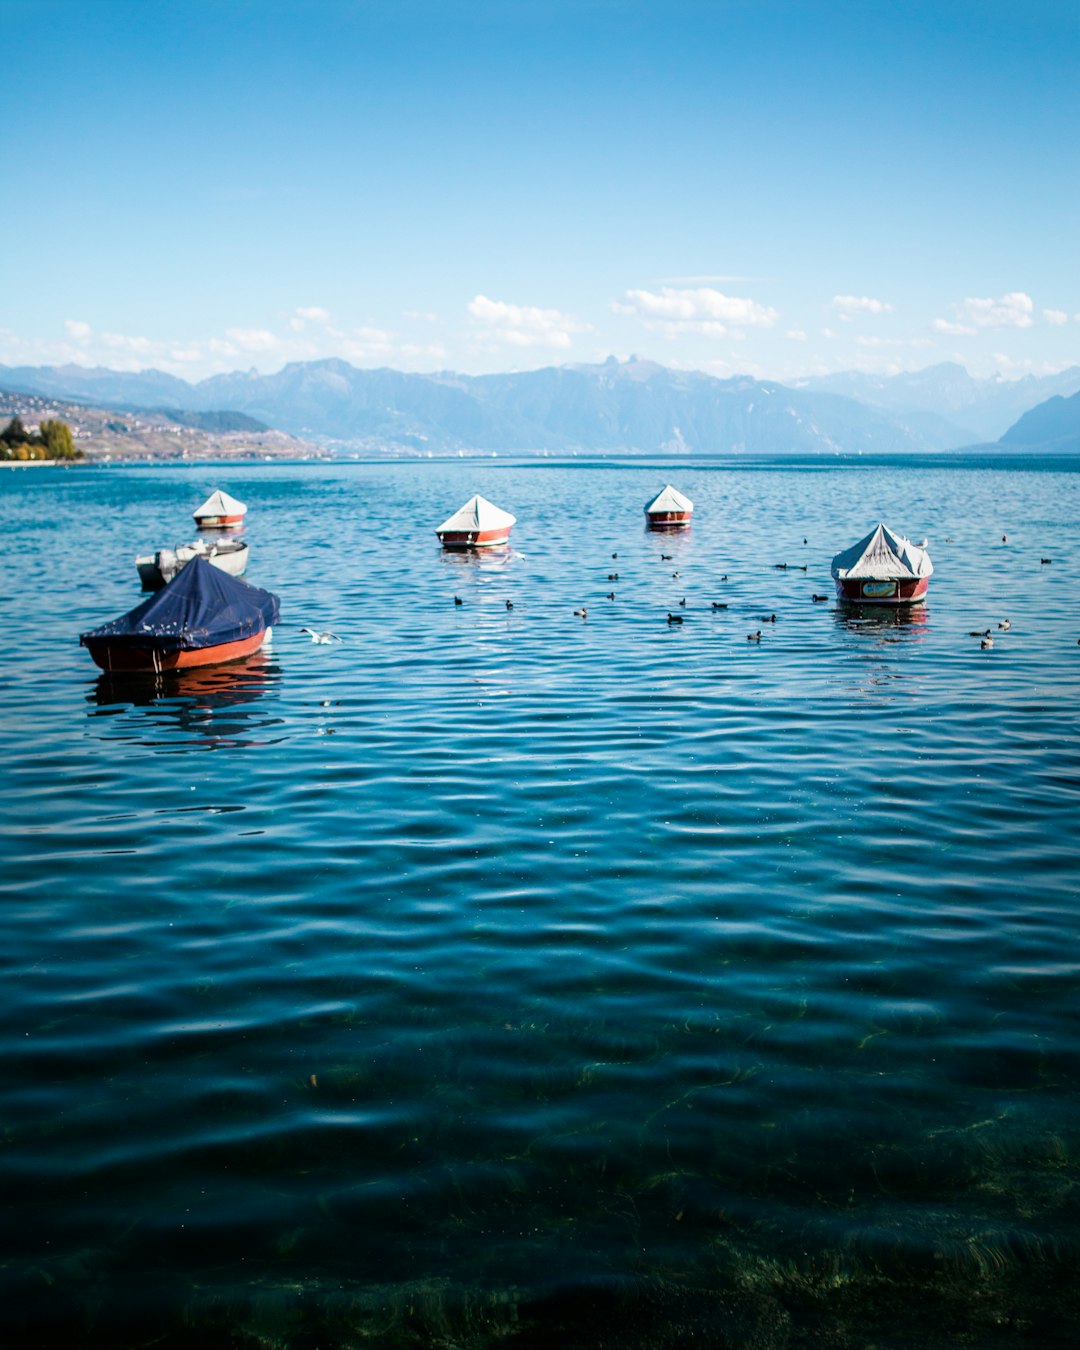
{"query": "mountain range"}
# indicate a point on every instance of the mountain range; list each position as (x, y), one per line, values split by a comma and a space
(629, 407)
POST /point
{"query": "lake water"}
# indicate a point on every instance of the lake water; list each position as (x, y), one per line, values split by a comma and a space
(502, 977)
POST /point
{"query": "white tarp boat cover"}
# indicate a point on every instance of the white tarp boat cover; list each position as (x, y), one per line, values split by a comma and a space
(669, 499)
(883, 556)
(477, 514)
(220, 504)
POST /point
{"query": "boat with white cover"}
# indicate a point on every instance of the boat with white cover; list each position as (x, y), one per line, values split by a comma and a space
(477, 524)
(158, 569)
(882, 569)
(220, 510)
(669, 510)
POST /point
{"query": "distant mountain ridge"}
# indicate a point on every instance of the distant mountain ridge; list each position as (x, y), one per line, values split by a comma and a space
(615, 407)
(1052, 426)
(962, 407)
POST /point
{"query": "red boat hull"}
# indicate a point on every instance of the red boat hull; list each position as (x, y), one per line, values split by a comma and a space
(866, 591)
(474, 538)
(668, 520)
(218, 522)
(129, 658)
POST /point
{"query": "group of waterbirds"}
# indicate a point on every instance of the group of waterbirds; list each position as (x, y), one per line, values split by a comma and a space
(987, 634)
(583, 612)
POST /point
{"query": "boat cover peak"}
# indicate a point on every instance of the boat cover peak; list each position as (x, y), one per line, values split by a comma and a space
(220, 504)
(669, 499)
(883, 556)
(477, 514)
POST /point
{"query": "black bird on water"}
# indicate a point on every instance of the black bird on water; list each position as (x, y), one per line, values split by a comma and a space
(817, 599)
(674, 618)
(458, 600)
(754, 637)
(611, 595)
(716, 605)
(509, 604)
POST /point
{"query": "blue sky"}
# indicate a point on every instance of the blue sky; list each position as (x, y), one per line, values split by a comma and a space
(777, 187)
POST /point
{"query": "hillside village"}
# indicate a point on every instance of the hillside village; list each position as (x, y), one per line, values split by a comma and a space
(105, 434)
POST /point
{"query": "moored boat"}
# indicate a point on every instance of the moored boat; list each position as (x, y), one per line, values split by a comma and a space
(202, 617)
(158, 569)
(220, 510)
(882, 569)
(669, 510)
(477, 524)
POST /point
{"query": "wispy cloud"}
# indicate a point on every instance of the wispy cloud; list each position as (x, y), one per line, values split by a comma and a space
(704, 311)
(78, 330)
(253, 339)
(305, 314)
(1014, 310)
(523, 325)
(848, 306)
(1056, 317)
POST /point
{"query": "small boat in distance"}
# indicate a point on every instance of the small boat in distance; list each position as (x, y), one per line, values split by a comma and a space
(201, 618)
(882, 569)
(220, 510)
(669, 510)
(477, 524)
(158, 569)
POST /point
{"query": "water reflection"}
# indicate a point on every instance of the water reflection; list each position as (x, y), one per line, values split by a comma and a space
(885, 623)
(484, 559)
(175, 710)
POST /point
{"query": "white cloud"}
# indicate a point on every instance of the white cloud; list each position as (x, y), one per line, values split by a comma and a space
(954, 329)
(80, 331)
(305, 314)
(847, 306)
(707, 312)
(1014, 310)
(138, 346)
(797, 335)
(523, 325)
(1057, 317)
(253, 339)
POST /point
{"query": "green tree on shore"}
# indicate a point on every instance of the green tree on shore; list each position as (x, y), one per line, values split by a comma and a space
(59, 442)
(53, 441)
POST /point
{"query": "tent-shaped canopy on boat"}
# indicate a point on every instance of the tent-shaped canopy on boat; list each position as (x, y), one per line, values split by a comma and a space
(882, 556)
(220, 505)
(668, 499)
(201, 607)
(475, 517)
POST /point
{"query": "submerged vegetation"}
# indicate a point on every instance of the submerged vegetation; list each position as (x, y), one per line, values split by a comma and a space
(53, 441)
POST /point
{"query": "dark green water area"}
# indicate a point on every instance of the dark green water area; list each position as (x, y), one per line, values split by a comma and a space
(499, 977)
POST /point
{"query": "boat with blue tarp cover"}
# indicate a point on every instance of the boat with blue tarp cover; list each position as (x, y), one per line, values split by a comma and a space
(201, 618)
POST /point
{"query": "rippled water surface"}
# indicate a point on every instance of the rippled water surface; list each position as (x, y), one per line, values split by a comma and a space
(498, 976)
